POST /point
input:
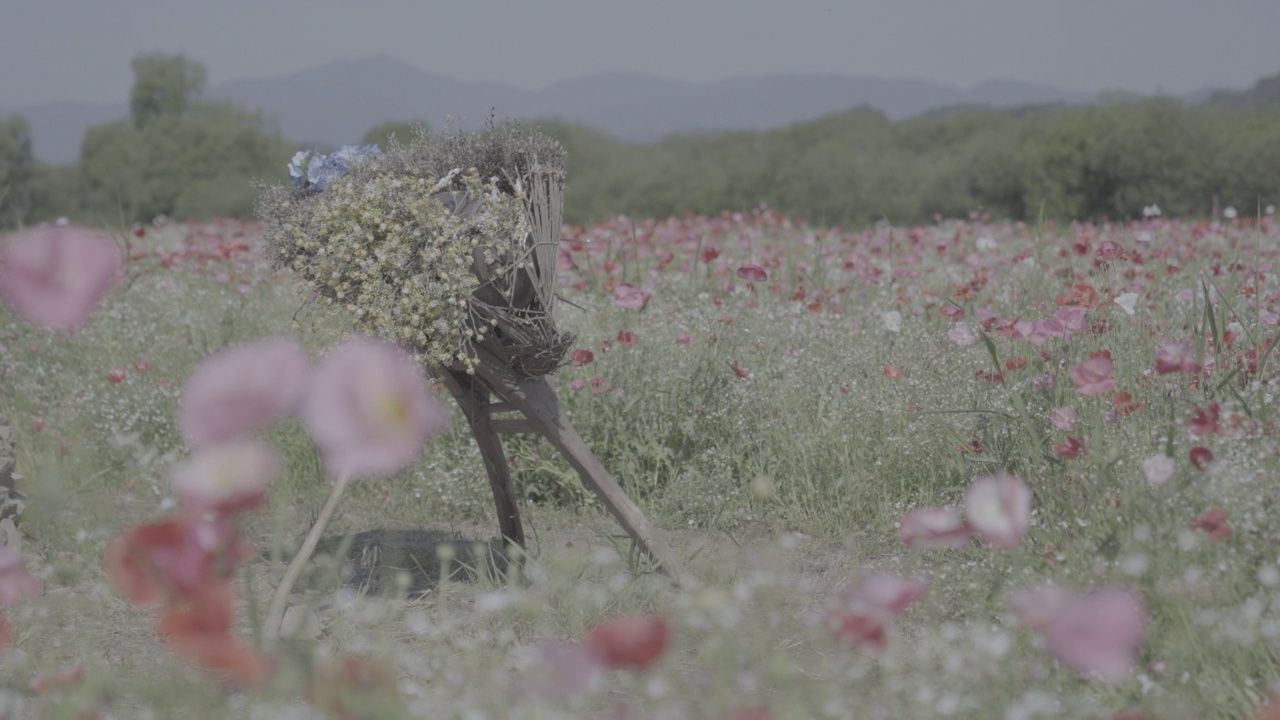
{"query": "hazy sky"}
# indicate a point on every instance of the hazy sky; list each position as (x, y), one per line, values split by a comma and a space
(80, 49)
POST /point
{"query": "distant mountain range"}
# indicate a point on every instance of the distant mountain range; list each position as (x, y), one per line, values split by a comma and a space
(337, 103)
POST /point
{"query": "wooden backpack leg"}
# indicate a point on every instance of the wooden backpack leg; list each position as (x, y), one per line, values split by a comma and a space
(535, 399)
(474, 401)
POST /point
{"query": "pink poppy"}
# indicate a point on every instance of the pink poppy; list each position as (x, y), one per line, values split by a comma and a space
(563, 671)
(1098, 634)
(1093, 376)
(629, 297)
(998, 509)
(1070, 319)
(865, 613)
(238, 392)
(1063, 418)
(934, 527)
(1175, 357)
(1043, 330)
(961, 334)
(891, 594)
(368, 409)
(55, 275)
(1036, 608)
(16, 584)
(227, 478)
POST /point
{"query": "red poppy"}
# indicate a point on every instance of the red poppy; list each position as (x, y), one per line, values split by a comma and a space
(199, 630)
(739, 370)
(1206, 421)
(581, 357)
(626, 338)
(1214, 522)
(893, 372)
(1124, 404)
(632, 642)
(753, 272)
(1071, 449)
(174, 557)
(354, 687)
(1015, 363)
(1201, 457)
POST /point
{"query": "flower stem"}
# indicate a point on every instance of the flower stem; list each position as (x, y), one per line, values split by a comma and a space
(275, 614)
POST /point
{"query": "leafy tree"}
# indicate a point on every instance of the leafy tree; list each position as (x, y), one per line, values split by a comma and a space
(17, 169)
(164, 86)
(186, 159)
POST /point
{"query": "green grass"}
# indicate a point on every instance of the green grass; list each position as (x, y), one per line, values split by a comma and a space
(780, 489)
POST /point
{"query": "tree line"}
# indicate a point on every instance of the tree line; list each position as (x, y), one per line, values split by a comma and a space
(179, 156)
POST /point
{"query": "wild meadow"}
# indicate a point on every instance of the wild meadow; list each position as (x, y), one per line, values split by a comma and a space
(973, 469)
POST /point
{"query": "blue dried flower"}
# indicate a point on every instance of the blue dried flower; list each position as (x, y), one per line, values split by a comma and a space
(316, 173)
(298, 168)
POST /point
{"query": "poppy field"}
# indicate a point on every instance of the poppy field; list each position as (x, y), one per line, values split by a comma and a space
(974, 469)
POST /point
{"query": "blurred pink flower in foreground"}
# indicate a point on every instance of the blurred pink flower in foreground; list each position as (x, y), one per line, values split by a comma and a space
(236, 393)
(16, 584)
(55, 275)
(998, 508)
(226, 478)
(1097, 633)
(368, 408)
(934, 527)
(866, 612)
(1093, 376)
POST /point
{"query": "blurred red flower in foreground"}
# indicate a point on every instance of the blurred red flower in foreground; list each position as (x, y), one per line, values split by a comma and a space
(198, 628)
(354, 687)
(633, 642)
(177, 558)
(753, 272)
(55, 275)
